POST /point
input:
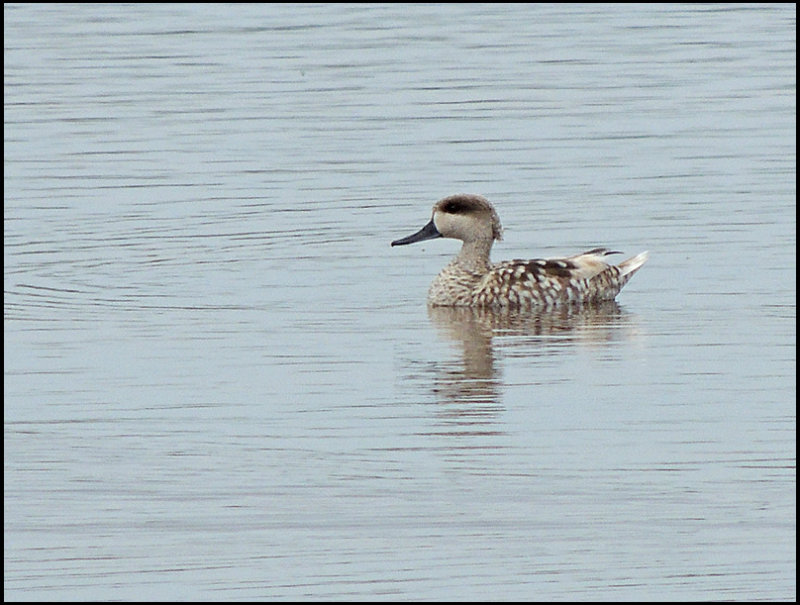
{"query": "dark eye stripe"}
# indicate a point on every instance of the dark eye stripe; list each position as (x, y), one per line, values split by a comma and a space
(460, 207)
(454, 208)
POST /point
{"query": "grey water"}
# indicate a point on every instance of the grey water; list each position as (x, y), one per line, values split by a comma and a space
(222, 383)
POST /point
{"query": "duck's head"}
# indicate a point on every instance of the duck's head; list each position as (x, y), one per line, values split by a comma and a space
(470, 218)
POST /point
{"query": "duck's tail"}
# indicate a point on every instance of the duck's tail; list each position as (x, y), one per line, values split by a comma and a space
(632, 265)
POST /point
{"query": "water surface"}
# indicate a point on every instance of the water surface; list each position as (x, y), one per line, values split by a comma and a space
(222, 383)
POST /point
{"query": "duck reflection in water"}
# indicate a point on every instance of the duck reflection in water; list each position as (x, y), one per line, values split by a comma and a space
(472, 385)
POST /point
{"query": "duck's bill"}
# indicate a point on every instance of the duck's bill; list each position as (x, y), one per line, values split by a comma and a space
(429, 231)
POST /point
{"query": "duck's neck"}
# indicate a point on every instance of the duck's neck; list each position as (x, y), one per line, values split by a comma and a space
(474, 255)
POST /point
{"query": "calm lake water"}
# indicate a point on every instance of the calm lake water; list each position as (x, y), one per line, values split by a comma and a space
(221, 383)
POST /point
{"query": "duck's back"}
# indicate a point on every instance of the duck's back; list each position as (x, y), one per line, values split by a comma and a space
(540, 283)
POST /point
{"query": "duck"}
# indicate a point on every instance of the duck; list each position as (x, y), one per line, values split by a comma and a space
(472, 280)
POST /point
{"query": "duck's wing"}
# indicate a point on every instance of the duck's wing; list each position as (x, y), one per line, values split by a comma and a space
(591, 263)
(583, 277)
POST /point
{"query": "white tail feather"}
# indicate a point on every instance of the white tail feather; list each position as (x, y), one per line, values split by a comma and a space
(632, 264)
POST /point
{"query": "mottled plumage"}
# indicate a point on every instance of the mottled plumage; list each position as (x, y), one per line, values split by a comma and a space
(472, 280)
